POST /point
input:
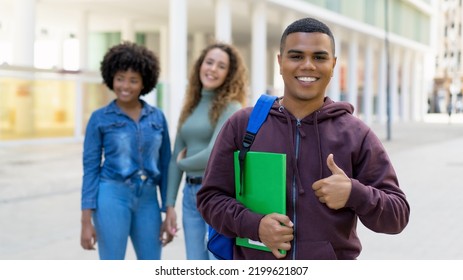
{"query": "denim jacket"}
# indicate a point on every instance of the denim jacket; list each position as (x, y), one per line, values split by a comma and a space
(120, 149)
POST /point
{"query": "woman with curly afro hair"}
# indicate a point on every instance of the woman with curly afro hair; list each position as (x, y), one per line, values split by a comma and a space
(217, 88)
(125, 160)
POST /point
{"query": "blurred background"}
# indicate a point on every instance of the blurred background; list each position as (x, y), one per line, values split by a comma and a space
(399, 63)
(398, 60)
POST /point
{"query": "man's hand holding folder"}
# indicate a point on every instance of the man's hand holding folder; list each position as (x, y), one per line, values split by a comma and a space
(276, 232)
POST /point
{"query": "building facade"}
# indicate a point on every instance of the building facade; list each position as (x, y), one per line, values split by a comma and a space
(447, 93)
(50, 53)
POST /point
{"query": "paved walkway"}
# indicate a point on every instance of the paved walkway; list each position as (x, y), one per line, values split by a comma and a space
(40, 198)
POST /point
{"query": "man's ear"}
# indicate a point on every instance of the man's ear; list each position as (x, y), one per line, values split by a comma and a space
(279, 61)
(334, 65)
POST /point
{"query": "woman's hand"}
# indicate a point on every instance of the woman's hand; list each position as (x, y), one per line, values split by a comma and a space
(181, 155)
(88, 233)
(169, 226)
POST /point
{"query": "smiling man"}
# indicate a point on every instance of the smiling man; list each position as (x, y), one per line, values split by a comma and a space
(337, 170)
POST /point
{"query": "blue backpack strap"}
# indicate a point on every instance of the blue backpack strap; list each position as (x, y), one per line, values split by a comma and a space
(260, 112)
(258, 116)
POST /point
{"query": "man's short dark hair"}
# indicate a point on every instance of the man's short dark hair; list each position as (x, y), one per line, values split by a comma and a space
(306, 25)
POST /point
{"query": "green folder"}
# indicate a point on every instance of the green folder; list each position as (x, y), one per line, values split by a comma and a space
(264, 189)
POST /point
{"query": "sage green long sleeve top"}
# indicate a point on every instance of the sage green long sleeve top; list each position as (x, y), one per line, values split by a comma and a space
(198, 136)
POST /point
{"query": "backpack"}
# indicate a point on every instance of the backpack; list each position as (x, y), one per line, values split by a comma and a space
(219, 245)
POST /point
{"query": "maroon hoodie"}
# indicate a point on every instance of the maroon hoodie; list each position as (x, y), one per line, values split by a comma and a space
(319, 232)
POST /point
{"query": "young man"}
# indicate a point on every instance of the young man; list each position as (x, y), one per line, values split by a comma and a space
(337, 169)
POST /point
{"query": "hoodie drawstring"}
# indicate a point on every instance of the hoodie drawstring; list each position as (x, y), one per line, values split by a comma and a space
(317, 132)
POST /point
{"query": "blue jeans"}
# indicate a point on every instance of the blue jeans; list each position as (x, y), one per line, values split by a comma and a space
(195, 228)
(127, 210)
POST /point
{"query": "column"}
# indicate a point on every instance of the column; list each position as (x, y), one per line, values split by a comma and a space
(79, 107)
(24, 32)
(270, 69)
(352, 76)
(177, 78)
(223, 21)
(382, 87)
(127, 30)
(83, 41)
(23, 55)
(278, 85)
(415, 87)
(164, 51)
(405, 91)
(199, 43)
(393, 83)
(258, 50)
(418, 88)
(334, 90)
(162, 97)
(368, 83)
(61, 38)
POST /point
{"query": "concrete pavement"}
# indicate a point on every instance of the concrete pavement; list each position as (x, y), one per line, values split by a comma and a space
(40, 198)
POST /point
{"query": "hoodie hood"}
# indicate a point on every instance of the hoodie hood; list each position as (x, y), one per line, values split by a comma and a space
(329, 110)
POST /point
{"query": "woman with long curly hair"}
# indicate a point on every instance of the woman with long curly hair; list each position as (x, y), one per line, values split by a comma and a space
(217, 88)
(125, 160)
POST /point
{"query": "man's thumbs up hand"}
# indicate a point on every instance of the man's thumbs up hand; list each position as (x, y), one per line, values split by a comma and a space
(333, 167)
(334, 190)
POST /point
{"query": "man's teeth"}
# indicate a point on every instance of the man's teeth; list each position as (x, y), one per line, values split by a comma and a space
(307, 79)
